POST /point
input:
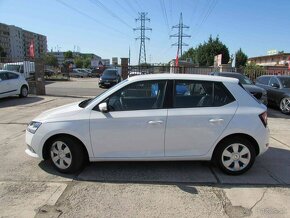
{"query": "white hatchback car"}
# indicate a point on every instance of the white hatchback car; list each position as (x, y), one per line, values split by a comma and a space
(12, 83)
(155, 118)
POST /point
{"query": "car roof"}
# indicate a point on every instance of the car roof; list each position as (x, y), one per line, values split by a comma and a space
(171, 76)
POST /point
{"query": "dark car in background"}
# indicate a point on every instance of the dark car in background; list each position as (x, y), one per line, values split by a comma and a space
(278, 91)
(110, 77)
(258, 92)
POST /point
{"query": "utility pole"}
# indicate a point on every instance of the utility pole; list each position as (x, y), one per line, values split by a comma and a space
(180, 35)
(129, 56)
(142, 52)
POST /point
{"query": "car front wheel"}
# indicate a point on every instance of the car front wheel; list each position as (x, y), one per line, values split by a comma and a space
(235, 156)
(23, 92)
(67, 154)
(285, 105)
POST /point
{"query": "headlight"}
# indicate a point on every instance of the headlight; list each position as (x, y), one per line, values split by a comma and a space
(100, 78)
(33, 126)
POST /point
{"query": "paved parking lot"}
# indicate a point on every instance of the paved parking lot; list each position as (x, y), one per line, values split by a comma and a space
(31, 188)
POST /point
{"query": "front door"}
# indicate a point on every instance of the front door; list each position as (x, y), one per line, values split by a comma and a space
(134, 126)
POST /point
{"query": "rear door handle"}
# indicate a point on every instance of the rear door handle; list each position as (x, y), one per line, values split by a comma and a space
(155, 122)
(216, 120)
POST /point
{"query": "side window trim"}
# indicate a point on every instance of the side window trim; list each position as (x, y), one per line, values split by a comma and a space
(96, 108)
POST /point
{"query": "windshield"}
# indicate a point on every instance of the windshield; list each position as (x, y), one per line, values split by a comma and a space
(12, 67)
(242, 79)
(110, 73)
(285, 82)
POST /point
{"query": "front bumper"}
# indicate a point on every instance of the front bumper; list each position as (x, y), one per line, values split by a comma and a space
(33, 142)
(107, 83)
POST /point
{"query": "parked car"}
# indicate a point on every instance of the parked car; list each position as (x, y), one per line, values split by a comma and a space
(143, 118)
(79, 73)
(12, 83)
(48, 72)
(258, 92)
(278, 91)
(109, 78)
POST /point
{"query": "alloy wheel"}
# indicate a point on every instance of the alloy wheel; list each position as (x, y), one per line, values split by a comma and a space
(285, 105)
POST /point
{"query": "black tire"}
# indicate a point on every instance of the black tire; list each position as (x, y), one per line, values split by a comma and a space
(23, 92)
(283, 106)
(77, 155)
(221, 159)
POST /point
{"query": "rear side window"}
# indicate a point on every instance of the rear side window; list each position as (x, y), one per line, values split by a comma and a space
(12, 76)
(190, 94)
(263, 80)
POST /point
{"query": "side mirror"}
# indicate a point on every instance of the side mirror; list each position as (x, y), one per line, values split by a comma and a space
(275, 85)
(103, 107)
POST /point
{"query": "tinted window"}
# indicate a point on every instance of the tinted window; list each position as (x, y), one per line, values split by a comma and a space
(263, 80)
(285, 82)
(243, 79)
(138, 96)
(3, 76)
(12, 76)
(189, 94)
(110, 73)
(273, 80)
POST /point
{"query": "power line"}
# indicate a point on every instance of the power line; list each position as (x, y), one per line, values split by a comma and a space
(164, 13)
(124, 8)
(142, 51)
(100, 4)
(90, 17)
(180, 35)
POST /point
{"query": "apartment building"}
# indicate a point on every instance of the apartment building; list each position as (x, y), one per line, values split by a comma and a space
(16, 42)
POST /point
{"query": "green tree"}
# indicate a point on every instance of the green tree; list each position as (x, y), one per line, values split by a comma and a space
(68, 55)
(241, 58)
(203, 54)
(51, 60)
(79, 62)
(253, 71)
(87, 62)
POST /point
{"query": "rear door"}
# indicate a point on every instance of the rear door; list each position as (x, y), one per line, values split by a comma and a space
(201, 111)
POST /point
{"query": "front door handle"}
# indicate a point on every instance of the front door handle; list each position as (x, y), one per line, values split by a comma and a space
(216, 120)
(155, 122)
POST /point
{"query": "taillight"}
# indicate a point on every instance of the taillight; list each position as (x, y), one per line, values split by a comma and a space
(264, 117)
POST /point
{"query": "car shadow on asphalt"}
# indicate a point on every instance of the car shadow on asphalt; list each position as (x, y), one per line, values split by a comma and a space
(16, 101)
(270, 169)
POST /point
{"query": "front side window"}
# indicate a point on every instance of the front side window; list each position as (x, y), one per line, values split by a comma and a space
(12, 76)
(191, 94)
(3, 76)
(143, 95)
(285, 81)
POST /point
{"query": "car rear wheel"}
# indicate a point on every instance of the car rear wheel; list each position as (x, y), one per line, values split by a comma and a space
(67, 154)
(285, 105)
(23, 92)
(235, 156)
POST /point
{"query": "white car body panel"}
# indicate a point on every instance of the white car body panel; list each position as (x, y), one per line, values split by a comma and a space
(128, 133)
(193, 131)
(177, 134)
(12, 86)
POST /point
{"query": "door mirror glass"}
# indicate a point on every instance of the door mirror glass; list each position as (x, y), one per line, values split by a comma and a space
(275, 85)
(103, 107)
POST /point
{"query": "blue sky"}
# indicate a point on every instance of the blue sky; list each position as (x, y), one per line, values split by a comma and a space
(106, 28)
